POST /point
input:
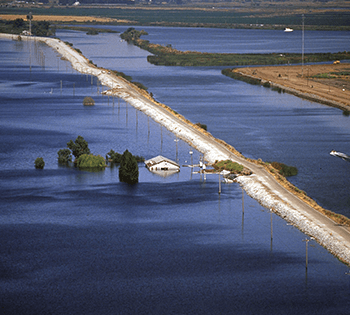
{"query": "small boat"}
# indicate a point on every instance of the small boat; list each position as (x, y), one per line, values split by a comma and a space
(343, 156)
(288, 30)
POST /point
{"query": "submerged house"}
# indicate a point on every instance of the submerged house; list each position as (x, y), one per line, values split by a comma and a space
(161, 163)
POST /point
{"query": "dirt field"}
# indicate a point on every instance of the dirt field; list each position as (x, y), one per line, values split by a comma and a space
(335, 88)
(61, 18)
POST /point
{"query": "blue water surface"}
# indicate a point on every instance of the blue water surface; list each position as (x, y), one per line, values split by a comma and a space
(77, 242)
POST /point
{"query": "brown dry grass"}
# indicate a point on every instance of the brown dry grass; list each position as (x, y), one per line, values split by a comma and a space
(301, 79)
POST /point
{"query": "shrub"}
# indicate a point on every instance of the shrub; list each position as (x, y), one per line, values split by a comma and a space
(88, 101)
(284, 169)
(90, 161)
(39, 163)
(64, 156)
(203, 126)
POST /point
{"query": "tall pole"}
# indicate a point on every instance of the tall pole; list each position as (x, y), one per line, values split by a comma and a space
(302, 48)
(30, 17)
(306, 252)
(176, 140)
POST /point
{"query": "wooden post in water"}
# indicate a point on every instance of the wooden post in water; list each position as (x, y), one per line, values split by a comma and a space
(161, 138)
(306, 252)
(137, 119)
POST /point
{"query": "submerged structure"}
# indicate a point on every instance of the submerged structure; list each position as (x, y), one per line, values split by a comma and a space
(161, 163)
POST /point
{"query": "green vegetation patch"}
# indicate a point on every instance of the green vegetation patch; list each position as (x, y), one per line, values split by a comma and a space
(17, 26)
(284, 169)
(115, 157)
(90, 161)
(324, 76)
(39, 163)
(228, 165)
(203, 126)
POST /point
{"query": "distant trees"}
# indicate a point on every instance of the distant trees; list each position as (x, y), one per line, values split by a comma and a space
(17, 26)
(41, 28)
(128, 170)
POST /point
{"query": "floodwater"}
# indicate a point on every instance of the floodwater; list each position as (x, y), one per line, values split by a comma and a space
(78, 242)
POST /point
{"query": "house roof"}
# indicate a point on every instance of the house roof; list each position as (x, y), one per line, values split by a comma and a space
(159, 159)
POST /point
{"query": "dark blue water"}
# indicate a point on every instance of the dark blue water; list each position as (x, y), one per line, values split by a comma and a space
(75, 242)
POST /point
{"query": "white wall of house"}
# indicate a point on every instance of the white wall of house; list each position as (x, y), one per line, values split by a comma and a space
(163, 166)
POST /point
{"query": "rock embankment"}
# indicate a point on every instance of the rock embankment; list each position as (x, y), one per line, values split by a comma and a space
(261, 185)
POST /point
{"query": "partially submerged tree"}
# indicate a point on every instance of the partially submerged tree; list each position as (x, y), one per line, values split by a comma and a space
(90, 161)
(39, 163)
(128, 170)
(79, 147)
(114, 157)
(64, 156)
(88, 101)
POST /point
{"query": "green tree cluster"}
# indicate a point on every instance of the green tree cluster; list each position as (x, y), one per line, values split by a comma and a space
(116, 157)
(128, 170)
(78, 147)
(17, 26)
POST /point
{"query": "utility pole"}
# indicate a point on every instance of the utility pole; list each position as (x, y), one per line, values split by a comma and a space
(29, 18)
(306, 251)
(176, 140)
(302, 48)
